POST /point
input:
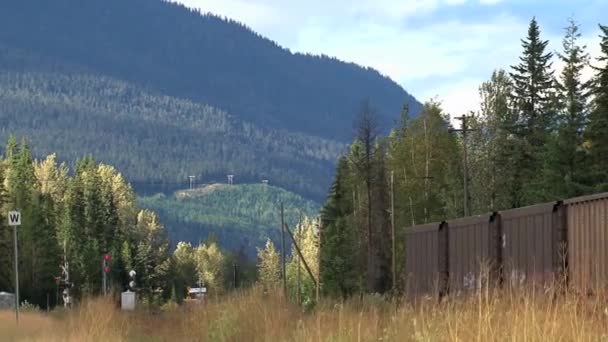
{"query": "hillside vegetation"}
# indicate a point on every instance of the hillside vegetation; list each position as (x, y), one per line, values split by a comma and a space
(241, 216)
(179, 52)
(154, 138)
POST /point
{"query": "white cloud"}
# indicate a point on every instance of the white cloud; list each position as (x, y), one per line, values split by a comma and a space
(448, 58)
(490, 2)
(458, 97)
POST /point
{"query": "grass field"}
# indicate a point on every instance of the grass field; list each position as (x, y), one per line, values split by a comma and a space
(252, 316)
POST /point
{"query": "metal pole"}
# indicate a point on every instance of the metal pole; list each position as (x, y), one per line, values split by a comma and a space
(394, 268)
(283, 250)
(16, 273)
(103, 274)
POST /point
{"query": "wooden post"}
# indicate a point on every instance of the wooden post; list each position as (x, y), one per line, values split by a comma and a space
(394, 266)
(283, 250)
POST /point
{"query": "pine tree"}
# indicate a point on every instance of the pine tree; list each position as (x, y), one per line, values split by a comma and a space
(151, 259)
(596, 137)
(534, 103)
(565, 166)
(340, 251)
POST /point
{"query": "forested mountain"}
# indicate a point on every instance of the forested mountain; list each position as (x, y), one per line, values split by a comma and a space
(154, 138)
(241, 217)
(179, 52)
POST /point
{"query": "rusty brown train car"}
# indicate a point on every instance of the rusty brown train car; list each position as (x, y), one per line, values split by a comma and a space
(530, 246)
(587, 224)
(472, 248)
(426, 259)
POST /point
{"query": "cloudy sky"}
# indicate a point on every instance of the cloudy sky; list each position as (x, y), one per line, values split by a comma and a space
(433, 48)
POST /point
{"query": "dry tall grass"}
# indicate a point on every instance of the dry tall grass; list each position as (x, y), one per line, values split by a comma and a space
(252, 316)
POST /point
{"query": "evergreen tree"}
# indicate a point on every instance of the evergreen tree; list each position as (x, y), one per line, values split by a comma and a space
(566, 166)
(596, 137)
(535, 109)
(340, 269)
(151, 259)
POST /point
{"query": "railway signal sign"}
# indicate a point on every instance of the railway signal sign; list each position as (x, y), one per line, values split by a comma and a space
(14, 218)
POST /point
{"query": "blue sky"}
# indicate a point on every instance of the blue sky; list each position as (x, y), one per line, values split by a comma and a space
(439, 49)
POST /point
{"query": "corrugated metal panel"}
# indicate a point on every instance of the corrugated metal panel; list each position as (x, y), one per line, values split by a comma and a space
(426, 259)
(587, 219)
(530, 244)
(473, 243)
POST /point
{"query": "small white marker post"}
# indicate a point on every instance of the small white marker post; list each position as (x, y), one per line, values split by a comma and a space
(14, 220)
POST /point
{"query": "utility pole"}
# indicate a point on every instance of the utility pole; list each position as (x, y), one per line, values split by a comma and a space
(394, 266)
(283, 250)
(192, 181)
(464, 130)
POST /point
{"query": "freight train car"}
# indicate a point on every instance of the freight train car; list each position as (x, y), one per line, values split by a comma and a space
(531, 246)
(587, 227)
(426, 259)
(472, 251)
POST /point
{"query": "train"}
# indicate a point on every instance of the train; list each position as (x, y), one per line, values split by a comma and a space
(563, 241)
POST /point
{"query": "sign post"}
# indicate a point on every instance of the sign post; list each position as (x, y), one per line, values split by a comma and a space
(14, 220)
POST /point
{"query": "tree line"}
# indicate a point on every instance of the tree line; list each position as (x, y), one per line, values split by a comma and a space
(157, 141)
(538, 136)
(75, 217)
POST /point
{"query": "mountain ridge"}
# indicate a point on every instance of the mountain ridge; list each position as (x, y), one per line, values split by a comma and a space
(180, 52)
(151, 137)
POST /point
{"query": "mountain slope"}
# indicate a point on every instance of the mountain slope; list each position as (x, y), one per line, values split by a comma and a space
(179, 52)
(241, 216)
(153, 138)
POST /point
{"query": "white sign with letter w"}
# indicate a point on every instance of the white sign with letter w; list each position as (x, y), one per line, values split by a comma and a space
(14, 218)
